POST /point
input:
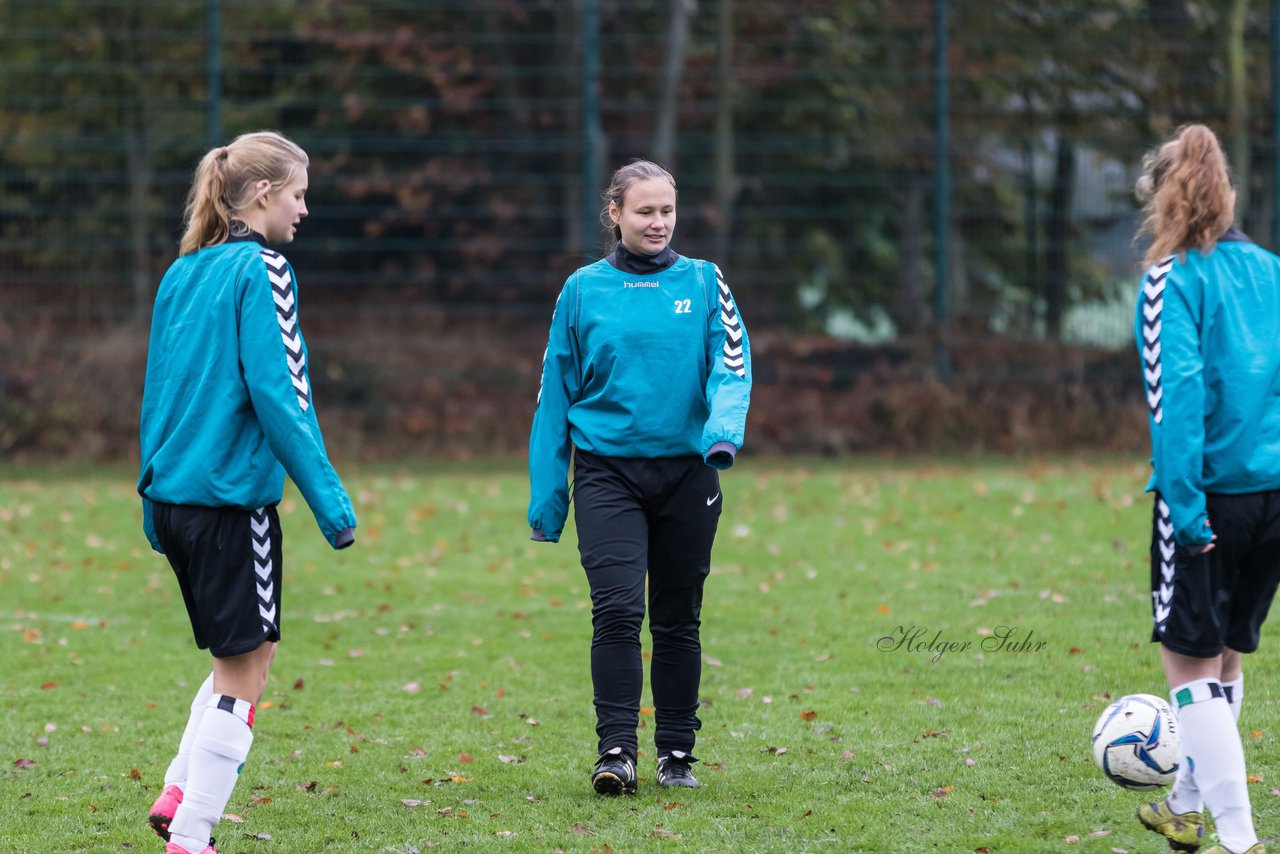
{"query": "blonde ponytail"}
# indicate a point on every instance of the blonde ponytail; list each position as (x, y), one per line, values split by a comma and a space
(1185, 189)
(226, 182)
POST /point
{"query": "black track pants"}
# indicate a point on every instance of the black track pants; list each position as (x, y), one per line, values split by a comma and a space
(638, 517)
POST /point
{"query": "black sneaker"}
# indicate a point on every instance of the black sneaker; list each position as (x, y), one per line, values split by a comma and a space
(615, 773)
(675, 771)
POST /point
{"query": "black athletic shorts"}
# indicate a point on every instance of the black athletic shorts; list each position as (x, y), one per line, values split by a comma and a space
(1204, 601)
(227, 561)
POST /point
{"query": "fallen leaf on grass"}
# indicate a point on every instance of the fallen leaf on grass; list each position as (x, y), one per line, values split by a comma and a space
(672, 806)
(744, 693)
(265, 837)
(776, 751)
(1071, 840)
(135, 773)
(411, 687)
(1100, 833)
(297, 686)
(933, 733)
(23, 763)
(713, 662)
(808, 716)
(480, 710)
(233, 818)
(414, 802)
(505, 834)
(663, 833)
(507, 760)
(47, 685)
(466, 758)
(1253, 778)
(577, 828)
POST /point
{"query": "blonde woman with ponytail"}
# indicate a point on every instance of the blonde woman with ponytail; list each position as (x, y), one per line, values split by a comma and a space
(1208, 331)
(226, 413)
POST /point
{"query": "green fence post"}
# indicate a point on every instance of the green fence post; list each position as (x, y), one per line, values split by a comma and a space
(941, 189)
(590, 121)
(213, 72)
(1275, 125)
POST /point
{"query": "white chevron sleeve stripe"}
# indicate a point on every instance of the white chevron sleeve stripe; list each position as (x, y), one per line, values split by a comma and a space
(282, 293)
(733, 356)
(1152, 308)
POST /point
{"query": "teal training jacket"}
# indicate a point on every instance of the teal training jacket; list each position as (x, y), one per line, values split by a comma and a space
(639, 366)
(1208, 332)
(227, 407)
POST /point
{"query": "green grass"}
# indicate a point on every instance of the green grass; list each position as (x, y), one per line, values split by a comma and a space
(443, 662)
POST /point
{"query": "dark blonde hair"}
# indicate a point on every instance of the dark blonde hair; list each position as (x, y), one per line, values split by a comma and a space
(225, 184)
(636, 170)
(1186, 194)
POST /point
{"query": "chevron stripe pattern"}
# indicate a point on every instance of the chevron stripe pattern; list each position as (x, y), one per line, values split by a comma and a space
(1152, 307)
(1163, 557)
(260, 535)
(287, 315)
(733, 357)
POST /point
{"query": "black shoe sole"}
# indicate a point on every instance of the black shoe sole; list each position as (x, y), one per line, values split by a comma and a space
(694, 785)
(608, 783)
(160, 824)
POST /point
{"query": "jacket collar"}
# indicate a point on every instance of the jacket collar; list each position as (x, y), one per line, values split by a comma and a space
(642, 265)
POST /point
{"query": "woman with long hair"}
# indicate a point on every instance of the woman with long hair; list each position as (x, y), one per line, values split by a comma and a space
(645, 384)
(226, 413)
(1207, 327)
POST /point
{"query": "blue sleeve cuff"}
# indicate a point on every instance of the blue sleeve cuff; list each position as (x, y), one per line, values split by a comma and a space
(345, 537)
(721, 455)
(542, 537)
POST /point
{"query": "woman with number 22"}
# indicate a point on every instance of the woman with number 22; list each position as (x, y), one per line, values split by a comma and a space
(645, 383)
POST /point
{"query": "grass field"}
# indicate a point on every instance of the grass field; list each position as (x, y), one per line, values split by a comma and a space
(432, 689)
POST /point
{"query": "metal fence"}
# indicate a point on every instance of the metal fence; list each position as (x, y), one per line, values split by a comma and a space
(876, 171)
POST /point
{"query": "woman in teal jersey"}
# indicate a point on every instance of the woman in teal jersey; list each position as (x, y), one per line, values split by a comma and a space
(645, 384)
(1207, 326)
(226, 412)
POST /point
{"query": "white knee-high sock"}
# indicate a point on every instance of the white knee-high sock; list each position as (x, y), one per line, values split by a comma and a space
(222, 743)
(176, 775)
(1212, 746)
(1185, 797)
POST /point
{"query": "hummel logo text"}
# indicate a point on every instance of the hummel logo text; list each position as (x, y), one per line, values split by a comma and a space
(641, 284)
(712, 499)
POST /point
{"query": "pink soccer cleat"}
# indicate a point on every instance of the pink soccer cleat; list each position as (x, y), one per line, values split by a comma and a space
(175, 848)
(163, 809)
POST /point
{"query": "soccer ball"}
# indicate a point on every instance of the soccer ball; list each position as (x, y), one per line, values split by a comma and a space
(1136, 743)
